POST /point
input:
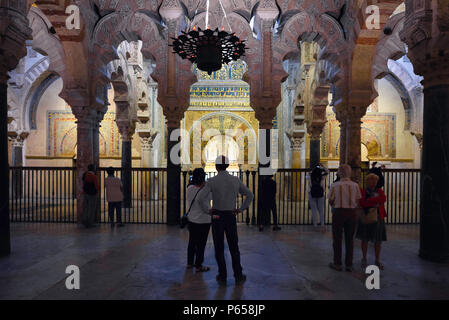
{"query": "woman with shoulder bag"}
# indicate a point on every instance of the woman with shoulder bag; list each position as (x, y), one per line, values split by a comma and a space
(198, 221)
(371, 225)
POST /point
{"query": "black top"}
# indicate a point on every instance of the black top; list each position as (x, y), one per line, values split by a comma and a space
(268, 192)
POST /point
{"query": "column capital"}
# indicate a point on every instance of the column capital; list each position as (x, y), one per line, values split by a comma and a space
(296, 139)
(316, 129)
(419, 138)
(350, 113)
(75, 97)
(174, 112)
(18, 139)
(147, 139)
(126, 129)
(85, 117)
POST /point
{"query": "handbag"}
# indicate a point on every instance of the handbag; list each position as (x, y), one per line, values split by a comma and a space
(184, 219)
(368, 216)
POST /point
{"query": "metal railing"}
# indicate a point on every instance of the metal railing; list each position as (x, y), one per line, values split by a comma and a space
(402, 188)
(44, 194)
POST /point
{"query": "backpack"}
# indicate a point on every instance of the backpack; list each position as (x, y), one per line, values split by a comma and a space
(316, 190)
(89, 187)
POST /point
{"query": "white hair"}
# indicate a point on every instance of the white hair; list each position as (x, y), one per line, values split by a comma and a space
(344, 171)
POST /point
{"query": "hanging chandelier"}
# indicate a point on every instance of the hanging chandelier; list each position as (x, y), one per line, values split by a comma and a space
(209, 49)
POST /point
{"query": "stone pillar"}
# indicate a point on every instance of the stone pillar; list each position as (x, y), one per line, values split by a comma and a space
(5, 247)
(354, 145)
(265, 152)
(297, 147)
(14, 31)
(17, 150)
(434, 236)
(126, 131)
(17, 161)
(96, 138)
(426, 32)
(85, 124)
(315, 131)
(147, 161)
(342, 144)
(173, 175)
(146, 141)
(173, 95)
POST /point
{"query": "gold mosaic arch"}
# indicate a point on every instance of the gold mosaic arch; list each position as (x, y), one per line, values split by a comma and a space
(242, 126)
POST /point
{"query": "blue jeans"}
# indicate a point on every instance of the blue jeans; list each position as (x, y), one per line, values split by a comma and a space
(317, 206)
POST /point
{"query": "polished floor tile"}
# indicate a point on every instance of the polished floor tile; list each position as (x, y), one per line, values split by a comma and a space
(148, 262)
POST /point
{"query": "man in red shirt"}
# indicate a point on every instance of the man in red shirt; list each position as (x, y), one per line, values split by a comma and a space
(90, 189)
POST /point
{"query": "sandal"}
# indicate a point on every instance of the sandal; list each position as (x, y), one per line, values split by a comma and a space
(202, 269)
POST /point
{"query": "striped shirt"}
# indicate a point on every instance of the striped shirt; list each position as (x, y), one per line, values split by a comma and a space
(344, 194)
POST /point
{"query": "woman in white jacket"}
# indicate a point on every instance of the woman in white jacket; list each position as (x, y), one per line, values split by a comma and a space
(199, 221)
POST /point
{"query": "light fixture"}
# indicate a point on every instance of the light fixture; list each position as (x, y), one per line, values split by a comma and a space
(209, 49)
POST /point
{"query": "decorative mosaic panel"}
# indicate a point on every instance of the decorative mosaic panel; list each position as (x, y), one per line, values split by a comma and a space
(62, 136)
(378, 135)
(233, 71)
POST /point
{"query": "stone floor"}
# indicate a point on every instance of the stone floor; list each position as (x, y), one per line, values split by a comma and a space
(147, 262)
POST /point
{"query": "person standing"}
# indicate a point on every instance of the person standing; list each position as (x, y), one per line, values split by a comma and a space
(317, 179)
(372, 197)
(378, 172)
(114, 196)
(199, 221)
(344, 197)
(225, 189)
(267, 203)
(90, 190)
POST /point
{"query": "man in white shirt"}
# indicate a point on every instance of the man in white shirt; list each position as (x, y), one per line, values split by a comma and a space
(344, 197)
(225, 189)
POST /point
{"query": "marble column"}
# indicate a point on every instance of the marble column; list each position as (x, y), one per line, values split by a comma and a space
(14, 31)
(126, 131)
(96, 138)
(17, 152)
(434, 235)
(265, 152)
(315, 130)
(265, 157)
(342, 143)
(173, 176)
(427, 37)
(354, 145)
(297, 147)
(17, 161)
(126, 173)
(5, 247)
(147, 161)
(85, 123)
